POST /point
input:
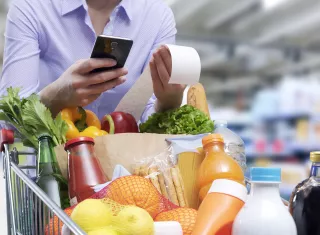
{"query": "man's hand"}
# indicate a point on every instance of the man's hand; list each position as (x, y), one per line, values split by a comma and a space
(78, 87)
(169, 96)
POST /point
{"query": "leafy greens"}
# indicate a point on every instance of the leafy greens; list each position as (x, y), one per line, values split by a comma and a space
(31, 118)
(184, 120)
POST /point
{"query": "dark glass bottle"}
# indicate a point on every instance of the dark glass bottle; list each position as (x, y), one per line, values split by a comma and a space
(305, 200)
(48, 170)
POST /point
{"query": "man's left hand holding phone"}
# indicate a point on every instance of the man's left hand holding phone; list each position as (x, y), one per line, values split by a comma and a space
(81, 84)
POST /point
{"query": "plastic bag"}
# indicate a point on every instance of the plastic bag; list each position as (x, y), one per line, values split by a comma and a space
(184, 144)
(119, 171)
(189, 152)
(163, 172)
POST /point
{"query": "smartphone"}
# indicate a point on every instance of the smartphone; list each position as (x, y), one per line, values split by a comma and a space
(115, 48)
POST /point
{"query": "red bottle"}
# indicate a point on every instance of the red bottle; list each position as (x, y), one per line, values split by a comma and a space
(84, 169)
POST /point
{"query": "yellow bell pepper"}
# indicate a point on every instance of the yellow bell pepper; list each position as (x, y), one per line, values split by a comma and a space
(83, 123)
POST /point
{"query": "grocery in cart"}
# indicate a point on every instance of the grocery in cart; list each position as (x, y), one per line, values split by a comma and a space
(178, 178)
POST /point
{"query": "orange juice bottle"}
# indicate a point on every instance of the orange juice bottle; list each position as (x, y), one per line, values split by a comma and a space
(220, 208)
(216, 165)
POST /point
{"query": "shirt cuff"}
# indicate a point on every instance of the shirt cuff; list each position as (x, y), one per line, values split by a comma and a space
(147, 113)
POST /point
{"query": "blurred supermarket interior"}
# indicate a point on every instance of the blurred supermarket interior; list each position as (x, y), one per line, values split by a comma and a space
(261, 71)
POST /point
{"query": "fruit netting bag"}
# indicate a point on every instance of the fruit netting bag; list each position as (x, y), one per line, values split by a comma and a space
(138, 191)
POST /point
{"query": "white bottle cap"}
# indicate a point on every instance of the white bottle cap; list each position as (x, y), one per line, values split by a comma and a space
(167, 228)
(229, 187)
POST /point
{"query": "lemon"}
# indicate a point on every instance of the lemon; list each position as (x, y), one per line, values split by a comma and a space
(92, 214)
(133, 220)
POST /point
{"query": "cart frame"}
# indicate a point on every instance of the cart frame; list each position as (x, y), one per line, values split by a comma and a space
(28, 207)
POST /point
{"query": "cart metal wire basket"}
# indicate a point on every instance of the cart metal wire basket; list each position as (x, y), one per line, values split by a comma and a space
(28, 207)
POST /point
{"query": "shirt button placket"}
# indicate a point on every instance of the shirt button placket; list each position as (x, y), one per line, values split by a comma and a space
(109, 28)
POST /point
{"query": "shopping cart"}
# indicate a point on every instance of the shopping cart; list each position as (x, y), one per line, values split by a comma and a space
(28, 207)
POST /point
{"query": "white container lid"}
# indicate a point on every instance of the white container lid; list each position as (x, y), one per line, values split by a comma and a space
(229, 187)
(160, 228)
(167, 228)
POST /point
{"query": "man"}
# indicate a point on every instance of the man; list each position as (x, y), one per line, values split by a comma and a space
(47, 44)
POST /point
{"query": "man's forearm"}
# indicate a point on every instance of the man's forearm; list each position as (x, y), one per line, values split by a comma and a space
(173, 104)
(47, 97)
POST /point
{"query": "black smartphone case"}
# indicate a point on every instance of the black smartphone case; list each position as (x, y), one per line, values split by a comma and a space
(114, 48)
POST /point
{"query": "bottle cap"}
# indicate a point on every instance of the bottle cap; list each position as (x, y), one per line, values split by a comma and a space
(43, 135)
(229, 187)
(315, 156)
(212, 138)
(77, 141)
(265, 174)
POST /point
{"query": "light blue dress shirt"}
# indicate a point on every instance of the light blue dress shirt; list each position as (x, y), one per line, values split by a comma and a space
(44, 37)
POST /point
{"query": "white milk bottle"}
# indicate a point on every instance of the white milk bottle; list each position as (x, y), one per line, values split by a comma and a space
(264, 213)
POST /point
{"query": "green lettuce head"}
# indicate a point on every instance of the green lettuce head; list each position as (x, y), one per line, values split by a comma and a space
(184, 120)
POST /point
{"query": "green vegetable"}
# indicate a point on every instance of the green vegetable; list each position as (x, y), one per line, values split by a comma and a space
(31, 118)
(184, 120)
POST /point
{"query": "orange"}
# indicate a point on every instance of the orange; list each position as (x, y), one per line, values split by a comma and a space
(135, 190)
(54, 227)
(185, 216)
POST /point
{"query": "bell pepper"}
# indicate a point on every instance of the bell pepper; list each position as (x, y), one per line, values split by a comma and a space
(83, 123)
(123, 123)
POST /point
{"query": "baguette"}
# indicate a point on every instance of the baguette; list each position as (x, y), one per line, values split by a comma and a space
(196, 97)
(154, 178)
(136, 171)
(178, 187)
(163, 186)
(171, 189)
(143, 171)
(182, 185)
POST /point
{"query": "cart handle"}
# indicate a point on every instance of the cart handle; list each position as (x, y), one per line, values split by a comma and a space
(6, 137)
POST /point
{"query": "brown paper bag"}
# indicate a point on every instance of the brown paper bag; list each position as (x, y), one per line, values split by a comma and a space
(123, 149)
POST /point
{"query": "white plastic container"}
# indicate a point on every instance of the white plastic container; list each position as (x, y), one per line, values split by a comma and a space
(234, 145)
(167, 228)
(160, 228)
(264, 212)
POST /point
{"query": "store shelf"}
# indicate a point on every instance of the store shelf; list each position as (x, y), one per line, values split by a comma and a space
(297, 151)
(281, 117)
(304, 147)
(289, 149)
(254, 155)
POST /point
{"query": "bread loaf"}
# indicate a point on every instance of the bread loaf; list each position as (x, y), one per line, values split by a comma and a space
(197, 98)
